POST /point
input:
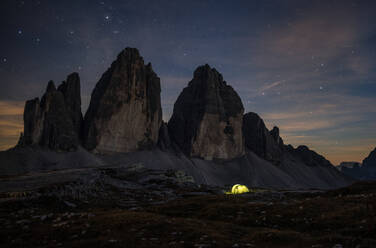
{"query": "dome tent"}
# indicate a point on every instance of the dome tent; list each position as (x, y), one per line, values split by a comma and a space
(238, 189)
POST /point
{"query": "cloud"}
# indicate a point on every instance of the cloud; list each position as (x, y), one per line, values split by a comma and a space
(271, 85)
(10, 128)
(11, 107)
(11, 123)
(359, 64)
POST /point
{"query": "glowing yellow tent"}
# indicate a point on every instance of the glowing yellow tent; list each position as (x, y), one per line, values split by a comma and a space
(238, 189)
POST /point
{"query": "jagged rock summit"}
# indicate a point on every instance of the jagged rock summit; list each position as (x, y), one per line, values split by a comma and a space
(370, 161)
(207, 118)
(309, 157)
(124, 120)
(267, 145)
(72, 95)
(125, 112)
(55, 121)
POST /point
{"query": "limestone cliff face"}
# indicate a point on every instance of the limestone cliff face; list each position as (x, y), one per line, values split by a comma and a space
(72, 96)
(207, 118)
(50, 122)
(125, 112)
(270, 146)
(33, 122)
(265, 144)
(164, 141)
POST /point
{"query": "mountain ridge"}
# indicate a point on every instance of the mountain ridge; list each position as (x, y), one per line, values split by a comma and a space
(363, 171)
(208, 134)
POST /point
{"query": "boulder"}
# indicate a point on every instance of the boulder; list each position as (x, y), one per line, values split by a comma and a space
(125, 112)
(207, 118)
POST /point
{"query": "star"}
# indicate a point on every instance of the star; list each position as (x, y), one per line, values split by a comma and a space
(4, 60)
(116, 31)
(19, 31)
(59, 19)
(37, 40)
(321, 88)
(107, 17)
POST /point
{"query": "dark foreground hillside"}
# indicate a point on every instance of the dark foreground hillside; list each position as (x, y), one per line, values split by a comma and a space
(164, 209)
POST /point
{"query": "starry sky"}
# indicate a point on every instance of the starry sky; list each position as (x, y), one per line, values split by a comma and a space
(308, 67)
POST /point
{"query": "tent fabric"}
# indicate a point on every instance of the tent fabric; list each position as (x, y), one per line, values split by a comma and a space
(239, 189)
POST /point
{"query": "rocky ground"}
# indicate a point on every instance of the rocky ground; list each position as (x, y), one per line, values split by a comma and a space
(138, 207)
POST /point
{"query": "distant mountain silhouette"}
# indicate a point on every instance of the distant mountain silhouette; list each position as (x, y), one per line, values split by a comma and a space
(364, 171)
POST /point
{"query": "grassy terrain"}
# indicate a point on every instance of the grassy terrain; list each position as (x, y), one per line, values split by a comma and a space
(344, 217)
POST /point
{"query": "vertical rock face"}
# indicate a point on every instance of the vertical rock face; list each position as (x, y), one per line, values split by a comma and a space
(275, 134)
(207, 117)
(72, 96)
(164, 141)
(33, 122)
(258, 139)
(49, 122)
(125, 112)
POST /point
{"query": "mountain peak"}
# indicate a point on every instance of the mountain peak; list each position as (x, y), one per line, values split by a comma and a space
(50, 86)
(205, 73)
(207, 117)
(370, 161)
(129, 54)
(125, 112)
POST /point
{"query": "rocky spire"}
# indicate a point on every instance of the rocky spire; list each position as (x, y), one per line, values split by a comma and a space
(258, 139)
(33, 122)
(50, 87)
(125, 112)
(72, 96)
(370, 161)
(49, 122)
(207, 117)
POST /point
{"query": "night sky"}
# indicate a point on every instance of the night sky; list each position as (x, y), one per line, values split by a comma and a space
(308, 67)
